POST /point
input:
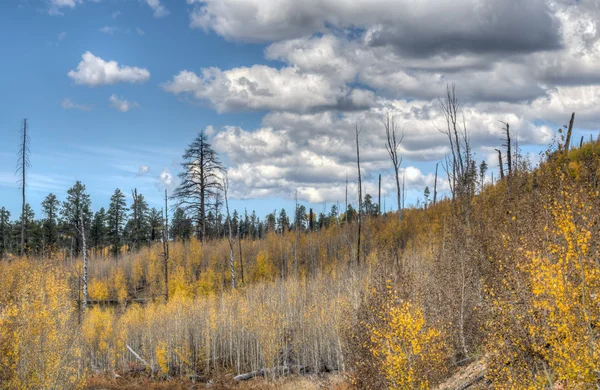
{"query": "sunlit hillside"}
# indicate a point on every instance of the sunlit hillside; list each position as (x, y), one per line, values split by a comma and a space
(504, 278)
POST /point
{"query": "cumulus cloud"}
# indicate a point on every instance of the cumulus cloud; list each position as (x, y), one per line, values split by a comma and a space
(121, 104)
(165, 180)
(414, 27)
(339, 63)
(158, 8)
(69, 104)
(94, 71)
(261, 87)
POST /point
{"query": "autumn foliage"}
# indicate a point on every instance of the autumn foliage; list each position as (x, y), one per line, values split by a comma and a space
(510, 275)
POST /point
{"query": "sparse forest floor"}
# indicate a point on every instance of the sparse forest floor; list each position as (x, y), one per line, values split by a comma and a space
(309, 382)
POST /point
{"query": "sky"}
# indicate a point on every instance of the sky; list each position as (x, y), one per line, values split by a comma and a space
(114, 90)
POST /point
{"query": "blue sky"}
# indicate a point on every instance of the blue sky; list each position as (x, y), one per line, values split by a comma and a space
(279, 86)
(102, 147)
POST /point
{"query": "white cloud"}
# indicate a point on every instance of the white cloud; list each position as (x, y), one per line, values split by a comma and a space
(121, 104)
(94, 71)
(261, 87)
(55, 6)
(61, 36)
(165, 180)
(139, 31)
(68, 104)
(110, 30)
(143, 170)
(116, 14)
(158, 8)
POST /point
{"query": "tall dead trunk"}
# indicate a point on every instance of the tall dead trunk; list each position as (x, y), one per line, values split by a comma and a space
(229, 236)
(359, 196)
(23, 165)
(569, 131)
(435, 184)
(166, 248)
(500, 164)
(85, 263)
(379, 201)
(392, 145)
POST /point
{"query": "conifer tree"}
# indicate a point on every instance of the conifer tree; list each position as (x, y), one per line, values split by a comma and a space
(75, 209)
(116, 220)
(199, 182)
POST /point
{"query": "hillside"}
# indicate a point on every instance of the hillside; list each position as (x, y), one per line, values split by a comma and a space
(508, 274)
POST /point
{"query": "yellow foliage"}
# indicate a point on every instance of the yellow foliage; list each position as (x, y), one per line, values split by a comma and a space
(409, 350)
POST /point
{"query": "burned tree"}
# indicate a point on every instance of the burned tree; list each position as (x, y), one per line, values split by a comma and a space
(200, 181)
(230, 235)
(358, 130)
(394, 139)
(22, 167)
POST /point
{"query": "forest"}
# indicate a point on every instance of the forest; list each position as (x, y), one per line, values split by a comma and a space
(496, 285)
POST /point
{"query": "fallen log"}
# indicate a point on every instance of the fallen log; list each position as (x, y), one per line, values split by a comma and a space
(282, 370)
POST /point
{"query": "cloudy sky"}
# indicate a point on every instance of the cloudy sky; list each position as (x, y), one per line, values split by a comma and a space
(115, 89)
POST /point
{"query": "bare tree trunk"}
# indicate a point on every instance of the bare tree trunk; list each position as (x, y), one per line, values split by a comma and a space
(392, 145)
(346, 205)
(359, 196)
(435, 184)
(296, 232)
(231, 259)
(241, 259)
(500, 164)
(379, 201)
(85, 263)
(24, 163)
(569, 131)
(166, 248)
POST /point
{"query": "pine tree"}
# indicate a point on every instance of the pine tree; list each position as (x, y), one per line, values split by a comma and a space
(199, 181)
(5, 228)
(181, 226)
(99, 230)
(155, 224)
(50, 207)
(140, 222)
(116, 221)
(75, 209)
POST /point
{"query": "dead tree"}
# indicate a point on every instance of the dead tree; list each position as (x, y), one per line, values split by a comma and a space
(22, 167)
(459, 165)
(508, 145)
(200, 181)
(358, 130)
(85, 261)
(166, 248)
(346, 205)
(435, 184)
(230, 237)
(569, 131)
(296, 233)
(394, 139)
(500, 164)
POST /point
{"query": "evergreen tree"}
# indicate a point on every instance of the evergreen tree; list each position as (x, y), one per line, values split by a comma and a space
(5, 232)
(50, 207)
(116, 221)
(140, 229)
(99, 230)
(155, 224)
(283, 222)
(75, 208)
(199, 181)
(181, 226)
